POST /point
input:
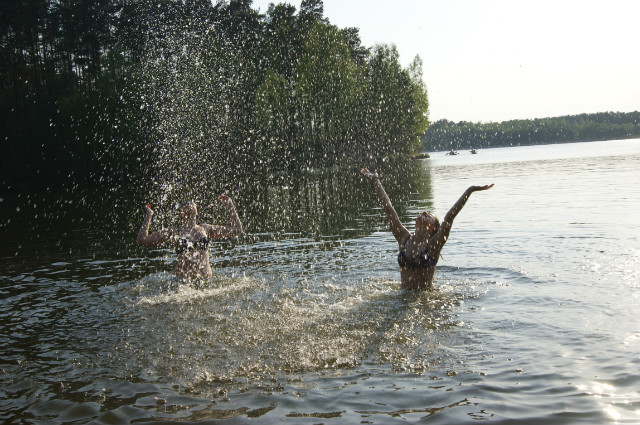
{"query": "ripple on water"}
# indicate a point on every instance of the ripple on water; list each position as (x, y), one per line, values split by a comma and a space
(252, 327)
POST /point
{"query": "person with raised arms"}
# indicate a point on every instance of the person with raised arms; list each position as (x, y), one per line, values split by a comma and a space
(190, 239)
(418, 253)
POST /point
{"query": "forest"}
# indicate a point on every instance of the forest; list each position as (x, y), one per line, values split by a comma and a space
(448, 135)
(105, 91)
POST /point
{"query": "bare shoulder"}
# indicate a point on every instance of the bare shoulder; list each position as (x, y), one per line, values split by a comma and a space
(441, 236)
(402, 240)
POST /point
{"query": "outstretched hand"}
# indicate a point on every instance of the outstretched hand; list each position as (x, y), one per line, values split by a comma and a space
(225, 200)
(368, 174)
(478, 188)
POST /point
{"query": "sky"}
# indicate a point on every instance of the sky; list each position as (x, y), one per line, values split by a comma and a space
(498, 60)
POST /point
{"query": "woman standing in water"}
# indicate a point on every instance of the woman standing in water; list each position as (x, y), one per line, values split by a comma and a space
(419, 252)
(191, 240)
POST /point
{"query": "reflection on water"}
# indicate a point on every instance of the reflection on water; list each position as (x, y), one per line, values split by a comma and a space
(323, 203)
(304, 320)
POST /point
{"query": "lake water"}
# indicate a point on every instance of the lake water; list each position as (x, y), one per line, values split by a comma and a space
(534, 317)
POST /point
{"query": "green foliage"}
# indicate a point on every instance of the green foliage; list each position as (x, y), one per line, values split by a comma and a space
(324, 91)
(112, 90)
(420, 110)
(393, 106)
(445, 135)
(275, 121)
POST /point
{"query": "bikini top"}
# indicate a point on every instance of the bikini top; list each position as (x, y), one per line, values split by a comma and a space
(186, 244)
(421, 261)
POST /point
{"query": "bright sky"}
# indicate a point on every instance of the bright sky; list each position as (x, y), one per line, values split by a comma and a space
(496, 60)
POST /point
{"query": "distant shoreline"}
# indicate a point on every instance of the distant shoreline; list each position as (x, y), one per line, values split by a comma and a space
(480, 150)
(447, 135)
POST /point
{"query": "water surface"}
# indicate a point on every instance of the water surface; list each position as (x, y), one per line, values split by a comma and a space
(533, 319)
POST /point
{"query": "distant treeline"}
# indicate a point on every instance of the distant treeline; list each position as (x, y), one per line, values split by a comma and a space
(107, 90)
(445, 135)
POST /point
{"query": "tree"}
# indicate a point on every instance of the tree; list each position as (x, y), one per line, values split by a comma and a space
(277, 141)
(282, 41)
(325, 90)
(310, 12)
(391, 115)
(420, 109)
(352, 40)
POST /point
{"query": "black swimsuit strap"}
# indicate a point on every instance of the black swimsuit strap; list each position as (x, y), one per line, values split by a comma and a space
(421, 261)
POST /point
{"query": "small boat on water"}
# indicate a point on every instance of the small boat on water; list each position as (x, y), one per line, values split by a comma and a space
(453, 153)
(473, 151)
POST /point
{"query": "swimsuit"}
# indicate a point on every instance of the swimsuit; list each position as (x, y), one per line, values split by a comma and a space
(185, 245)
(421, 261)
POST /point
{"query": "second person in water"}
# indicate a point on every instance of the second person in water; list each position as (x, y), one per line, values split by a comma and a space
(419, 252)
(190, 239)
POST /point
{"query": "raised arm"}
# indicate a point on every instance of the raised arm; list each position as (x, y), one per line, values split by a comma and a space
(144, 238)
(219, 232)
(445, 227)
(398, 230)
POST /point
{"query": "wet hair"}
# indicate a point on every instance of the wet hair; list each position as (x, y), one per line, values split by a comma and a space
(436, 222)
(189, 211)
